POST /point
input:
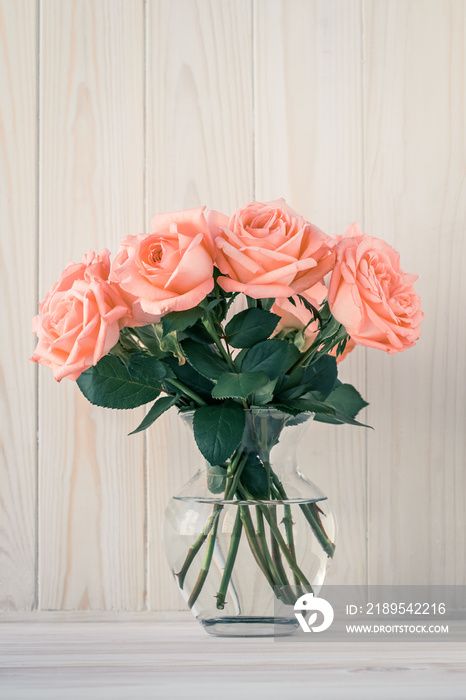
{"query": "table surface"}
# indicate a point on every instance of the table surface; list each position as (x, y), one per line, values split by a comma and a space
(167, 660)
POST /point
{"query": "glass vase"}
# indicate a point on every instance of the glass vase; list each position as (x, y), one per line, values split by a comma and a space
(236, 553)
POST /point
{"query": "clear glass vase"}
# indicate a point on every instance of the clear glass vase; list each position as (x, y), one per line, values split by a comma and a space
(235, 557)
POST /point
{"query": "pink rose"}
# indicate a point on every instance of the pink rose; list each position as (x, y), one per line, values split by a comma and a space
(170, 269)
(297, 317)
(268, 250)
(371, 296)
(80, 319)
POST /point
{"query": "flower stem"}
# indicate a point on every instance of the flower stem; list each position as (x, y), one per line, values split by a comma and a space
(288, 522)
(265, 548)
(282, 544)
(276, 556)
(231, 557)
(254, 544)
(189, 392)
(313, 518)
(196, 546)
(205, 566)
(210, 327)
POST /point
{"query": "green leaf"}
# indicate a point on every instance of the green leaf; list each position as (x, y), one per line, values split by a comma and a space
(250, 327)
(133, 337)
(254, 477)
(204, 359)
(347, 399)
(347, 402)
(238, 360)
(289, 381)
(156, 410)
(274, 357)
(199, 333)
(238, 386)
(180, 320)
(110, 384)
(266, 303)
(168, 342)
(310, 404)
(310, 307)
(191, 379)
(218, 430)
(264, 395)
(321, 376)
(216, 479)
(145, 367)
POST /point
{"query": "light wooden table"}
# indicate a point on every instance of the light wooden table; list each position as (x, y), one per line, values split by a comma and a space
(167, 660)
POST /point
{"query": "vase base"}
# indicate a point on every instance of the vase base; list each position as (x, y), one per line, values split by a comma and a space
(249, 626)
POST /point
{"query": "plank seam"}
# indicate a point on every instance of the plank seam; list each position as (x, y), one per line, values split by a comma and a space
(145, 602)
(253, 85)
(363, 214)
(37, 253)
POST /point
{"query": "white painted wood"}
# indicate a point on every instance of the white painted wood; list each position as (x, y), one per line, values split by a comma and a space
(199, 152)
(177, 660)
(309, 150)
(91, 491)
(350, 110)
(415, 199)
(18, 162)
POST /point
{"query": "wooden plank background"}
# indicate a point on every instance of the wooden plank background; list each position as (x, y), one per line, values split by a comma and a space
(114, 110)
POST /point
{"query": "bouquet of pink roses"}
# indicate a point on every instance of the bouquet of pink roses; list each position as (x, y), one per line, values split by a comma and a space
(157, 325)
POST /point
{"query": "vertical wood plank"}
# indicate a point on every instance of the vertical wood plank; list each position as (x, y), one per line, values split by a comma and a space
(92, 508)
(308, 139)
(18, 158)
(199, 151)
(415, 146)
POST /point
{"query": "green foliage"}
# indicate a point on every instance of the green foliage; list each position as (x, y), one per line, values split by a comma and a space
(156, 410)
(250, 327)
(145, 368)
(204, 359)
(239, 386)
(273, 357)
(347, 402)
(180, 320)
(216, 478)
(110, 384)
(190, 356)
(188, 376)
(264, 394)
(254, 477)
(218, 430)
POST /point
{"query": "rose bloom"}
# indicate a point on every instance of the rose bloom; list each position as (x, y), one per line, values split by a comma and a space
(268, 250)
(80, 319)
(170, 269)
(371, 296)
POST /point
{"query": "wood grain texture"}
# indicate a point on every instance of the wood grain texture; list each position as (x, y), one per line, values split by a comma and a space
(350, 110)
(199, 151)
(92, 503)
(175, 660)
(308, 86)
(18, 163)
(415, 199)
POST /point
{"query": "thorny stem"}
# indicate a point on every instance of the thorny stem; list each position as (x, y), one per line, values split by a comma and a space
(232, 552)
(312, 517)
(205, 566)
(195, 547)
